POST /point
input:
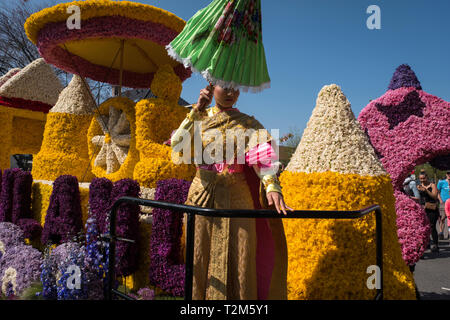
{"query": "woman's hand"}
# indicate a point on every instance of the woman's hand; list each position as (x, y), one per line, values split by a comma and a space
(277, 199)
(204, 99)
(415, 199)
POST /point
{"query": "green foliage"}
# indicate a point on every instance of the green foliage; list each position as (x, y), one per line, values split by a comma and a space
(30, 292)
(294, 139)
(433, 174)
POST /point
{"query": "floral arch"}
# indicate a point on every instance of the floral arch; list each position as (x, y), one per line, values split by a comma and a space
(408, 127)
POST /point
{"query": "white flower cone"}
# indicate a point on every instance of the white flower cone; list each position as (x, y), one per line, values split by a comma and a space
(75, 99)
(334, 141)
(336, 168)
(8, 75)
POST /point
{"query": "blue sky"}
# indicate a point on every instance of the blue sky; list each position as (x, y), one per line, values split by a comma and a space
(312, 43)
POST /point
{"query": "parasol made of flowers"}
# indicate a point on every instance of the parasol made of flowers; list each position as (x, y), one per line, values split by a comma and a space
(117, 42)
(224, 43)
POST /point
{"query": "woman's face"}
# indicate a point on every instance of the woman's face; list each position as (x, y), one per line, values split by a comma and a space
(423, 179)
(225, 98)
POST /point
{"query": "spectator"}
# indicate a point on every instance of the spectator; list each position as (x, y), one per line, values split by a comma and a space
(428, 198)
(410, 187)
(444, 196)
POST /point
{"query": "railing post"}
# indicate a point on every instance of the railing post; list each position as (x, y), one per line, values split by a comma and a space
(189, 271)
(112, 251)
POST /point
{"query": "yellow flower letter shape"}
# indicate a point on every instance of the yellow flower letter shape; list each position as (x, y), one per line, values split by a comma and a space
(335, 168)
(156, 118)
(112, 141)
(64, 149)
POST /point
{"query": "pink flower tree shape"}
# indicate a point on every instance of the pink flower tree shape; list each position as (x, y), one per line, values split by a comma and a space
(408, 127)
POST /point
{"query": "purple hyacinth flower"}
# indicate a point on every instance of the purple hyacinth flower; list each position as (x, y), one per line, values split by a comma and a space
(404, 76)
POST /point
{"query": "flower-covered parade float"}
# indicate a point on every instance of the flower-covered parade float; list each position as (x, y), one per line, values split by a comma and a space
(407, 127)
(87, 156)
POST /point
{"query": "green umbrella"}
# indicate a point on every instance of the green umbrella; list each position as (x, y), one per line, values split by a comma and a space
(224, 43)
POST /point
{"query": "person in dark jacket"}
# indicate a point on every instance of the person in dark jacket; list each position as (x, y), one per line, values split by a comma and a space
(428, 198)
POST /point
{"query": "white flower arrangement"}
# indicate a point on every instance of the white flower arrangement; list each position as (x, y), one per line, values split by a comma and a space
(334, 141)
(75, 99)
(8, 75)
(35, 82)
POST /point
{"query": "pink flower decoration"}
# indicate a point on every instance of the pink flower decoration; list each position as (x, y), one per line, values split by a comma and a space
(407, 127)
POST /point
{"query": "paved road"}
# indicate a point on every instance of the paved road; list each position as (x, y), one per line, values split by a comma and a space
(432, 273)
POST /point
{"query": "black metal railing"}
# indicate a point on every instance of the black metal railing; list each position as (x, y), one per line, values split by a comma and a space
(229, 213)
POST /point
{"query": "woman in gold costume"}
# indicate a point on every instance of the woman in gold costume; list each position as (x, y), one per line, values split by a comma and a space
(235, 259)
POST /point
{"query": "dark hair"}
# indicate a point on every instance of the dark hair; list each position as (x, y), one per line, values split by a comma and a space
(423, 173)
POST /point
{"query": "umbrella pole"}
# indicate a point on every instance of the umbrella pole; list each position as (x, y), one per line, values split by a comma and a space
(122, 47)
(144, 54)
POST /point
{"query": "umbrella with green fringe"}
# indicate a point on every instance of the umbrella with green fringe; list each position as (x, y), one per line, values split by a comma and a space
(224, 43)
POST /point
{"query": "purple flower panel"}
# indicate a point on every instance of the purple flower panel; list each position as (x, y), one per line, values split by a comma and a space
(127, 226)
(64, 218)
(166, 267)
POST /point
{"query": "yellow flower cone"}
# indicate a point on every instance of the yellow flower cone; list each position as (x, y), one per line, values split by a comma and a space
(64, 148)
(335, 168)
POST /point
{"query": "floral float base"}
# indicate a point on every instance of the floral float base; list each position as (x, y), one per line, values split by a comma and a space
(328, 259)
